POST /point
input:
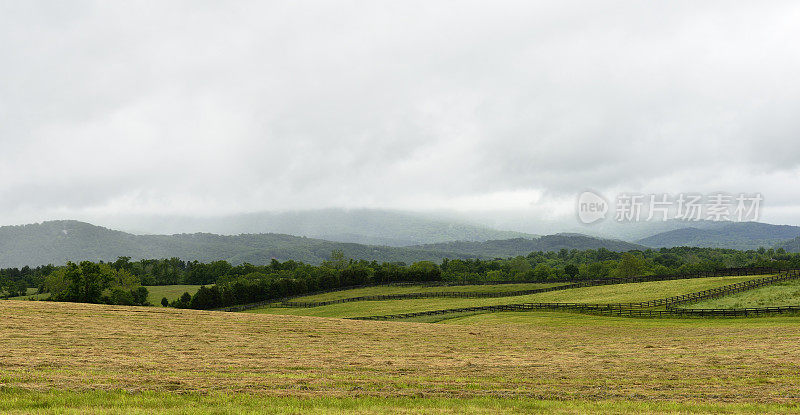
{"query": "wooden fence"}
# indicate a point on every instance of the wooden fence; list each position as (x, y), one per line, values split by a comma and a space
(634, 309)
(493, 294)
(285, 303)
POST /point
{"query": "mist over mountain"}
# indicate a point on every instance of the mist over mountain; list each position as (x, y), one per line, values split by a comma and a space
(607, 229)
(522, 246)
(364, 226)
(67, 240)
(637, 230)
(360, 234)
(732, 235)
(60, 241)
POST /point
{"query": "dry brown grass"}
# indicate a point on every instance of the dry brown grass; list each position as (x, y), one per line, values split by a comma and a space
(76, 346)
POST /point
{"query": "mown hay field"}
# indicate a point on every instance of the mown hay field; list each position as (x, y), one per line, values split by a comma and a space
(533, 355)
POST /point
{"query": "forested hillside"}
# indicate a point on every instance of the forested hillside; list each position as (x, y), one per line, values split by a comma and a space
(741, 235)
(56, 242)
(524, 246)
(792, 245)
(363, 226)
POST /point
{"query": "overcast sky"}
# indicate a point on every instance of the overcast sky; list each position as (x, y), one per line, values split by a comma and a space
(207, 108)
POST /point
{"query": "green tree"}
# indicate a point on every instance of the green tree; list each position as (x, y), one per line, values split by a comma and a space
(571, 270)
(119, 296)
(122, 262)
(425, 271)
(337, 260)
(140, 295)
(206, 298)
(84, 283)
(629, 266)
(542, 272)
(56, 282)
(121, 278)
(518, 265)
(183, 302)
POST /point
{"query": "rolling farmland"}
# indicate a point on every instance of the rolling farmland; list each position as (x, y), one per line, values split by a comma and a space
(635, 292)
(782, 294)
(117, 359)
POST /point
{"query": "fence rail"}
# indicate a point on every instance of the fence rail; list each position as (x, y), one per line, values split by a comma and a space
(283, 302)
(711, 312)
(484, 294)
(634, 309)
(442, 294)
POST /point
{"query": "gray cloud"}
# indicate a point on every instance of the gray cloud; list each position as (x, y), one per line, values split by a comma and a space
(212, 108)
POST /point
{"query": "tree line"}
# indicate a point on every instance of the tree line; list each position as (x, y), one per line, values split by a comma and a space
(90, 282)
(224, 284)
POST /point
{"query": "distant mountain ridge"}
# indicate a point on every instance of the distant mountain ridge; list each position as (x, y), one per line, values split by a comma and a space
(522, 246)
(732, 235)
(364, 226)
(792, 245)
(59, 241)
(635, 231)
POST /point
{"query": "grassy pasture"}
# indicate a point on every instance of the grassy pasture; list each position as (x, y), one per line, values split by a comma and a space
(118, 402)
(532, 360)
(786, 293)
(155, 293)
(616, 326)
(31, 294)
(634, 292)
(172, 292)
(393, 289)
